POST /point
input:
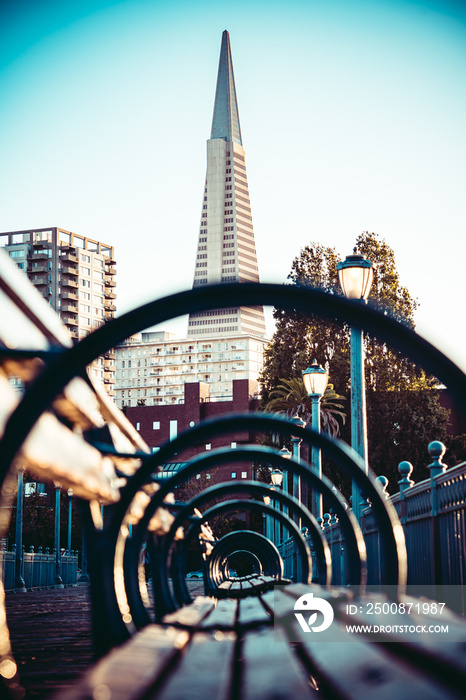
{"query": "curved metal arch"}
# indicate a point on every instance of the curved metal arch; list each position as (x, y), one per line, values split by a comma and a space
(61, 369)
(247, 541)
(255, 489)
(350, 527)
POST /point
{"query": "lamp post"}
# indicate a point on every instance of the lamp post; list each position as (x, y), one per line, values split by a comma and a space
(287, 455)
(277, 479)
(70, 506)
(268, 534)
(356, 275)
(315, 380)
(20, 586)
(296, 447)
(58, 578)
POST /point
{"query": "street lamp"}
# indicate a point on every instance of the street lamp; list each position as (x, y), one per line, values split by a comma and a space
(315, 380)
(70, 506)
(356, 275)
(58, 578)
(277, 479)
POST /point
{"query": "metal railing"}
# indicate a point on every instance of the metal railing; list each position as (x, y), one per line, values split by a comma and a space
(433, 515)
(38, 569)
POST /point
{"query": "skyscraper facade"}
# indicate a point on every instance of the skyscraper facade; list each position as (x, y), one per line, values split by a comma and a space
(76, 275)
(223, 345)
(226, 250)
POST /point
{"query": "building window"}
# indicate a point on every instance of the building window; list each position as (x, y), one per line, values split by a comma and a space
(156, 425)
(233, 445)
(208, 446)
(173, 429)
(138, 426)
(233, 475)
(244, 475)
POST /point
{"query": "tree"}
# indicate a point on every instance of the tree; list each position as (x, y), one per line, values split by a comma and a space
(401, 398)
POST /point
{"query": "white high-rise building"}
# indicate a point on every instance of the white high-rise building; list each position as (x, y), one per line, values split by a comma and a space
(222, 344)
(226, 250)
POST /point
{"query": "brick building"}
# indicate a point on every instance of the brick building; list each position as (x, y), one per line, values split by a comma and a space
(157, 424)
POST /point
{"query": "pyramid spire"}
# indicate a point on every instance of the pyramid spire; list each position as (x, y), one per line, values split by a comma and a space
(225, 122)
(226, 250)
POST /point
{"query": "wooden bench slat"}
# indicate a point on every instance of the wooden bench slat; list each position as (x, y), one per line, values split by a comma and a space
(251, 611)
(270, 670)
(223, 616)
(191, 615)
(131, 670)
(205, 672)
(356, 669)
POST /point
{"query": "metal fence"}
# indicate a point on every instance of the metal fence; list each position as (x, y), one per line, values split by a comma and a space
(38, 569)
(433, 516)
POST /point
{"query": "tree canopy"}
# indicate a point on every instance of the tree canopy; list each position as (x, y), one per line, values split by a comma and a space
(402, 403)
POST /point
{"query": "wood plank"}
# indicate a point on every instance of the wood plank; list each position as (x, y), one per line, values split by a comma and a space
(205, 672)
(441, 652)
(132, 669)
(348, 666)
(191, 615)
(252, 612)
(222, 617)
(270, 669)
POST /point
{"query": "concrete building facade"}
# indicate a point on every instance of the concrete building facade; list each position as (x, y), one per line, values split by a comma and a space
(76, 275)
(154, 368)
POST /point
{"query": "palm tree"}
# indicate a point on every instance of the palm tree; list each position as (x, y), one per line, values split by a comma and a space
(290, 398)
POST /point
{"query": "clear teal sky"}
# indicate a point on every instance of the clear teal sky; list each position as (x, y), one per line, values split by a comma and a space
(352, 114)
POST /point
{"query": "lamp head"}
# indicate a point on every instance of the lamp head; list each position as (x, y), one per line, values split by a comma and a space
(277, 477)
(315, 379)
(356, 275)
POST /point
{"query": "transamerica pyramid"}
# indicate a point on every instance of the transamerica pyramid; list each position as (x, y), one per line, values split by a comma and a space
(226, 250)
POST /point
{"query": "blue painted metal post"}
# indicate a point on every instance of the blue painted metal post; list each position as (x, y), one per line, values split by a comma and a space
(70, 508)
(436, 450)
(58, 583)
(358, 410)
(316, 460)
(20, 585)
(296, 448)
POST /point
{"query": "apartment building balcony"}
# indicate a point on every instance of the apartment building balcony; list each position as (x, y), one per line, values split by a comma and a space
(109, 306)
(42, 267)
(110, 390)
(68, 306)
(69, 282)
(73, 333)
(72, 296)
(108, 315)
(109, 368)
(70, 321)
(39, 281)
(69, 257)
(109, 377)
(69, 270)
(40, 254)
(110, 270)
(109, 282)
(110, 355)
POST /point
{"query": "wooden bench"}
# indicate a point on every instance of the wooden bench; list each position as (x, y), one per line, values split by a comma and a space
(251, 649)
(244, 642)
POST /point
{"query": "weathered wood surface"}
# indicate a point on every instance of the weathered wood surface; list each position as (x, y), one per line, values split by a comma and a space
(252, 656)
(50, 634)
